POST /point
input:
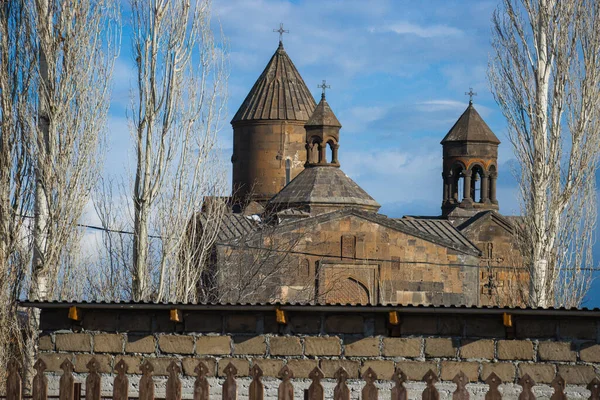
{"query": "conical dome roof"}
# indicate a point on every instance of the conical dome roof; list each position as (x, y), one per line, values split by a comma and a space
(323, 115)
(470, 127)
(279, 93)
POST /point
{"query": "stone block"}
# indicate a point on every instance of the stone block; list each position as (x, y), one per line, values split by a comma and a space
(56, 319)
(140, 344)
(530, 327)
(270, 367)
(249, 345)
(416, 370)
(213, 345)
(242, 366)
(344, 324)
(439, 347)
(203, 322)
(577, 329)
(485, 327)
(515, 350)
(285, 346)
(450, 326)
(133, 363)
(329, 367)
(303, 323)
(161, 364)
(108, 343)
(189, 365)
(541, 373)
(482, 348)
(365, 347)
(556, 351)
(73, 342)
(302, 368)
(383, 369)
(97, 320)
(590, 352)
(138, 321)
(505, 371)
(322, 346)
(81, 361)
(54, 360)
(176, 344)
(45, 343)
(402, 347)
(577, 374)
(240, 323)
(419, 325)
(451, 368)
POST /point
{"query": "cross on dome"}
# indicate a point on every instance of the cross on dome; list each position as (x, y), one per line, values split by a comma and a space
(281, 32)
(323, 86)
(471, 93)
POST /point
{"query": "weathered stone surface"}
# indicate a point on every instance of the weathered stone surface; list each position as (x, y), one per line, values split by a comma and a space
(73, 342)
(322, 346)
(301, 323)
(249, 345)
(140, 344)
(556, 351)
(383, 369)
(486, 327)
(540, 373)
(344, 324)
(203, 322)
(515, 350)
(213, 345)
(108, 343)
(365, 347)
(590, 352)
(577, 329)
(133, 363)
(532, 327)
(45, 343)
(439, 347)
(161, 364)
(482, 348)
(285, 346)
(450, 326)
(53, 360)
(104, 361)
(329, 367)
(100, 320)
(415, 370)
(302, 368)
(402, 347)
(189, 365)
(269, 367)
(240, 323)
(135, 322)
(505, 371)
(242, 366)
(451, 368)
(417, 325)
(577, 374)
(176, 344)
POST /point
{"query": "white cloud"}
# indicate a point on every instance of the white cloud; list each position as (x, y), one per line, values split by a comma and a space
(422, 31)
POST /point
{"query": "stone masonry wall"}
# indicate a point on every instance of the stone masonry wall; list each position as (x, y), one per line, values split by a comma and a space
(476, 344)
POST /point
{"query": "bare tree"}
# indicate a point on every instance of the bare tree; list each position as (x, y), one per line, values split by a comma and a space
(545, 75)
(177, 112)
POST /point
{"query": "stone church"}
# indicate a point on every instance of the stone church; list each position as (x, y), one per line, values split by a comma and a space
(308, 233)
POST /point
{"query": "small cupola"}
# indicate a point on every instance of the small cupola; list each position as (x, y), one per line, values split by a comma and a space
(322, 133)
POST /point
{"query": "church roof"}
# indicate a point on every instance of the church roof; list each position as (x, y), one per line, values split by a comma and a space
(278, 94)
(323, 185)
(323, 115)
(438, 227)
(470, 127)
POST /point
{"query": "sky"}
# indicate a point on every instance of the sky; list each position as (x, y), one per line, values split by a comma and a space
(398, 72)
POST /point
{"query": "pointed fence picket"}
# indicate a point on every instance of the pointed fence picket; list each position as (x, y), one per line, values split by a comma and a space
(69, 389)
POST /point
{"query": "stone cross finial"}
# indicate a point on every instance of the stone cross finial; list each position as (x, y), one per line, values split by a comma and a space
(470, 93)
(323, 86)
(281, 32)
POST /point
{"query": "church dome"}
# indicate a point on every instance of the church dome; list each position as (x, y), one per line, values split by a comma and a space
(470, 127)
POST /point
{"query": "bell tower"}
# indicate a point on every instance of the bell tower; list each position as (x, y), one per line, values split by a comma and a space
(470, 166)
(322, 134)
(268, 130)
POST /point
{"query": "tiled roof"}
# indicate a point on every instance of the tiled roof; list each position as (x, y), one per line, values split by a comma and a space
(279, 93)
(323, 115)
(323, 185)
(232, 225)
(441, 228)
(470, 127)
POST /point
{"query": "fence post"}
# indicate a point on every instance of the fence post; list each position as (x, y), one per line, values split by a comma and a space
(315, 390)
(13, 381)
(493, 393)
(286, 390)
(146, 382)
(399, 391)
(461, 392)
(526, 383)
(369, 391)
(40, 382)
(76, 391)
(173, 382)
(229, 390)
(121, 383)
(257, 389)
(93, 381)
(341, 391)
(201, 387)
(559, 388)
(67, 381)
(430, 392)
(594, 388)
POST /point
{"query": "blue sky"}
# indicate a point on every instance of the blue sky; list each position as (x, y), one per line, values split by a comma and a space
(398, 72)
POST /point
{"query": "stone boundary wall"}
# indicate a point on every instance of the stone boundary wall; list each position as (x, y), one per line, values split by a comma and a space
(476, 343)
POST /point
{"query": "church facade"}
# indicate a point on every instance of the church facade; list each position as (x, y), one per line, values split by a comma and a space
(306, 232)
